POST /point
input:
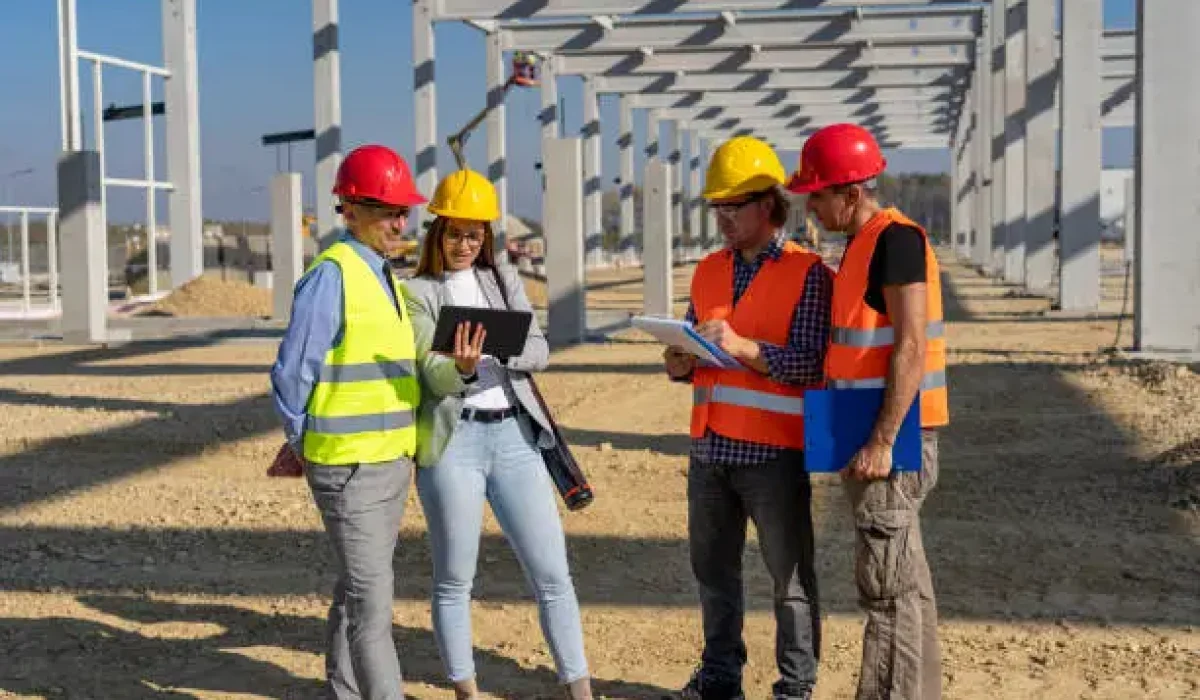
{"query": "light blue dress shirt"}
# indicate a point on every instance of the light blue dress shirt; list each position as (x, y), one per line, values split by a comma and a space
(316, 326)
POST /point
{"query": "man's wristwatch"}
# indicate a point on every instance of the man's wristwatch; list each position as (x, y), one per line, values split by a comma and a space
(468, 378)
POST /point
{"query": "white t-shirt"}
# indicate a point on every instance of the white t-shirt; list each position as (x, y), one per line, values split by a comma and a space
(488, 391)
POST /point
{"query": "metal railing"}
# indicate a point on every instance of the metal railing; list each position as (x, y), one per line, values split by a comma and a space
(51, 215)
(72, 129)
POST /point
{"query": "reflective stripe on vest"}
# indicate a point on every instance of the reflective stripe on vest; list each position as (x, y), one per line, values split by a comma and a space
(366, 371)
(748, 398)
(345, 425)
(879, 337)
(931, 380)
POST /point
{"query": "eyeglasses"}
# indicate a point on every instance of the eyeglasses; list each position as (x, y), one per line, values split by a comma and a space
(472, 237)
(383, 211)
(730, 209)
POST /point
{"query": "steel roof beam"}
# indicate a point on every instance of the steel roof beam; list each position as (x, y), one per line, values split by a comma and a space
(782, 80)
(519, 9)
(903, 26)
(766, 98)
(758, 57)
(837, 112)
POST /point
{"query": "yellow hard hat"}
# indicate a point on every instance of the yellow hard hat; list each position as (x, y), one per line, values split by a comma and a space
(465, 194)
(742, 165)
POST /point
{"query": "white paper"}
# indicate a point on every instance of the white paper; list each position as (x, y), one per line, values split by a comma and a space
(670, 331)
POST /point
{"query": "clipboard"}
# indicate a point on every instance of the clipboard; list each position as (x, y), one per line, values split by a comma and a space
(670, 331)
(838, 422)
(506, 330)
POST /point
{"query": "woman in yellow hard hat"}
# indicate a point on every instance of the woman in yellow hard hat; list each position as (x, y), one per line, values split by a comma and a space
(479, 425)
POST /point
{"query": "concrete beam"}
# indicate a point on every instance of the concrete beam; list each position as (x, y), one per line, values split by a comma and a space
(1015, 80)
(183, 140)
(750, 58)
(85, 269)
(497, 155)
(424, 163)
(1167, 255)
(327, 103)
(784, 113)
(657, 234)
(899, 25)
(1079, 237)
(562, 214)
(520, 9)
(287, 244)
(1041, 145)
(806, 98)
(784, 79)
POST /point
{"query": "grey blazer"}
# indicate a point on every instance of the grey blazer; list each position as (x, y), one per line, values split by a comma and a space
(442, 389)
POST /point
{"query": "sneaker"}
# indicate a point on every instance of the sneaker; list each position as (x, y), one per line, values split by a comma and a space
(703, 687)
(781, 691)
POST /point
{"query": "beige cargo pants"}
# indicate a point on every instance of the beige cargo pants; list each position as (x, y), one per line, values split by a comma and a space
(901, 659)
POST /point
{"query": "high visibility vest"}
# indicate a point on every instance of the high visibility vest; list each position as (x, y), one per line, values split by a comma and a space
(739, 404)
(862, 339)
(363, 406)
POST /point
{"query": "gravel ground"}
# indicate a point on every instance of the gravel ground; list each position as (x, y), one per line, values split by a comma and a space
(144, 554)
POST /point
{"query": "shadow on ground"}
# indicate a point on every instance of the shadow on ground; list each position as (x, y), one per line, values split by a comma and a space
(130, 666)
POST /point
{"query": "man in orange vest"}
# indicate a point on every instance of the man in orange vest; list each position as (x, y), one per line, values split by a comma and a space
(765, 301)
(887, 333)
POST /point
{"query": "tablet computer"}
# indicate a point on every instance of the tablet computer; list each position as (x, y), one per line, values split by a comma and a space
(506, 330)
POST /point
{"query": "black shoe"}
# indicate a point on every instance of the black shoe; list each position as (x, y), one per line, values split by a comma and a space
(782, 691)
(705, 687)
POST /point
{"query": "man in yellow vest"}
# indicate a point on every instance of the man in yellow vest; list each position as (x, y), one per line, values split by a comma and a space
(888, 333)
(765, 301)
(345, 386)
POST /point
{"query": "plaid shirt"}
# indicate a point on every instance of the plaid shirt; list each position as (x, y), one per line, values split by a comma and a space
(801, 361)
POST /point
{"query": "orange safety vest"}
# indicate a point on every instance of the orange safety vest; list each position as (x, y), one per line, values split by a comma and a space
(743, 404)
(861, 339)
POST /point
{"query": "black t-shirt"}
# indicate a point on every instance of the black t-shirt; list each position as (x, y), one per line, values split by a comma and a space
(899, 258)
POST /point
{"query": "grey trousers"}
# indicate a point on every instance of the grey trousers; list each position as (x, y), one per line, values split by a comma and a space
(362, 507)
(777, 497)
(900, 659)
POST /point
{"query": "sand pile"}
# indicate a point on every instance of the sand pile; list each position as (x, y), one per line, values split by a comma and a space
(212, 296)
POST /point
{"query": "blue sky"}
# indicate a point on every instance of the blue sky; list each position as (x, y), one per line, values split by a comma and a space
(256, 78)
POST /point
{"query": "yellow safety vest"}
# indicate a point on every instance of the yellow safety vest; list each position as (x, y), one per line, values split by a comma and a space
(363, 407)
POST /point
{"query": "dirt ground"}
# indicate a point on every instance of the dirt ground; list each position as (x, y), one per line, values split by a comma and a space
(144, 554)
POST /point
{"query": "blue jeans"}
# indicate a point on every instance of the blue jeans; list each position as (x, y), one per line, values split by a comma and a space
(497, 462)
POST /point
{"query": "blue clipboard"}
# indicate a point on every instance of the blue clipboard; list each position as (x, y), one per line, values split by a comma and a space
(726, 360)
(837, 423)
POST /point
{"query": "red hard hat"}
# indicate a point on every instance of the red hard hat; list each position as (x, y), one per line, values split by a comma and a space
(377, 173)
(838, 154)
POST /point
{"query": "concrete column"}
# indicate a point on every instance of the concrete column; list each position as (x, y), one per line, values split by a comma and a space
(653, 135)
(628, 210)
(695, 249)
(1167, 250)
(85, 270)
(676, 161)
(497, 133)
(183, 140)
(707, 227)
(287, 245)
(562, 214)
(656, 238)
(982, 90)
(425, 106)
(1079, 239)
(549, 115)
(593, 211)
(1041, 144)
(999, 178)
(327, 102)
(1015, 80)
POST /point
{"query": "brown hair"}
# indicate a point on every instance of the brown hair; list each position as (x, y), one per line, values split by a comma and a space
(433, 257)
(780, 206)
